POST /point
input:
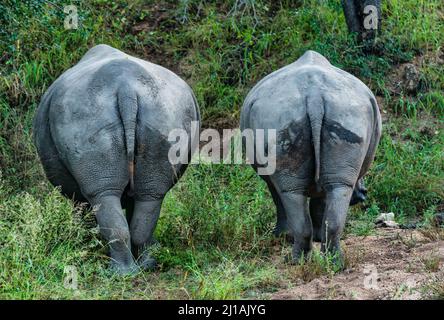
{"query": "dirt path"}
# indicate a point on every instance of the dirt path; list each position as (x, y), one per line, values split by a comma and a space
(394, 264)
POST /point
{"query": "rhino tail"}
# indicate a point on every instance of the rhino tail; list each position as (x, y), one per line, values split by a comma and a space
(315, 111)
(128, 107)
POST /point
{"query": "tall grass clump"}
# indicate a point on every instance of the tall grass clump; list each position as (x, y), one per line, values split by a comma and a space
(41, 236)
(217, 207)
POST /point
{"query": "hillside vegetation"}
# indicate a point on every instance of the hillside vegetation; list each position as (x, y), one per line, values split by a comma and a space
(215, 229)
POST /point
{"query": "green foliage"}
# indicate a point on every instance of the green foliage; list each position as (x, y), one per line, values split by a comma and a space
(40, 236)
(234, 209)
(408, 175)
(231, 279)
(362, 223)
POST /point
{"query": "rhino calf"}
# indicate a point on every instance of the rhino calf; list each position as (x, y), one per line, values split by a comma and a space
(101, 132)
(328, 127)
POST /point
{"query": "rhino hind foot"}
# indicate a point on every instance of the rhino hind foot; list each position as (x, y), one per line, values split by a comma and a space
(283, 231)
(277, 231)
(146, 262)
(280, 228)
(298, 258)
(123, 269)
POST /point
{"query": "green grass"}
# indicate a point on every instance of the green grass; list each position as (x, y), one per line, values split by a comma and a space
(215, 228)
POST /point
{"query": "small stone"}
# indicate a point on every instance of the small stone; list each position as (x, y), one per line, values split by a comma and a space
(388, 224)
(411, 77)
(389, 216)
(386, 220)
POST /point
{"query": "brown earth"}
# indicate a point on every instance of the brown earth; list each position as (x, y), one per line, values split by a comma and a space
(393, 264)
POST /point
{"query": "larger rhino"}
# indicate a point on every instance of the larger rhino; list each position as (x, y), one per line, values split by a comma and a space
(101, 132)
(328, 127)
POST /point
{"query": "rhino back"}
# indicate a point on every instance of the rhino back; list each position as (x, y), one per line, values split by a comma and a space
(82, 112)
(280, 98)
(310, 89)
(84, 99)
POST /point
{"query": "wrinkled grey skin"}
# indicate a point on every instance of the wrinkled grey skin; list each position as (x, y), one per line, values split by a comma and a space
(354, 16)
(101, 132)
(328, 127)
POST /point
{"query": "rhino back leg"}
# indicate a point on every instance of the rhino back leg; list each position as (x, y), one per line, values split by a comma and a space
(336, 206)
(292, 180)
(143, 223)
(281, 217)
(154, 176)
(342, 155)
(100, 169)
(114, 228)
(299, 222)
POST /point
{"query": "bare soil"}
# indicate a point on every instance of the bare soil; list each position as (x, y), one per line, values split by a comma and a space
(393, 264)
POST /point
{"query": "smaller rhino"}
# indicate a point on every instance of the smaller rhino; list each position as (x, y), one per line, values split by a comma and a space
(328, 127)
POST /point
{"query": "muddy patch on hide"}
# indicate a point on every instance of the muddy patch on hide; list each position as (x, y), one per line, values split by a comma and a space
(294, 146)
(335, 129)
